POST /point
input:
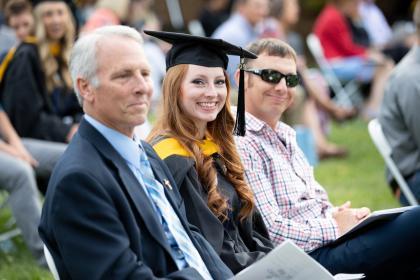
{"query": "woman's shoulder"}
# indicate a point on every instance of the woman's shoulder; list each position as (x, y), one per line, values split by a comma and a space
(166, 146)
(27, 48)
(26, 55)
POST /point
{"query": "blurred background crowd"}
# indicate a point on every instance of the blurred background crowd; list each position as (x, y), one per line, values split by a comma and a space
(361, 42)
(356, 36)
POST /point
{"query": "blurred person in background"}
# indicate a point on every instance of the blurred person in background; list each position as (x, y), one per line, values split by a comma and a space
(213, 14)
(7, 35)
(20, 18)
(394, 43)
(107, 12)
(348, 59)
(36, 90)
(20, 161)
(84, 9)
(400, 117)
(240, 29)
(143, 17)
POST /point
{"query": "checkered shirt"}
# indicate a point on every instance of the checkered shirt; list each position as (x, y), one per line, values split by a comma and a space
(294, 206)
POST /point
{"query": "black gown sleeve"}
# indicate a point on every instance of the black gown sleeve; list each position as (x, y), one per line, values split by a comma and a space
(239, 247)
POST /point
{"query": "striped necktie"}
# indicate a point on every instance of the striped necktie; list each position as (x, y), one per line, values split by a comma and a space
(174, 230)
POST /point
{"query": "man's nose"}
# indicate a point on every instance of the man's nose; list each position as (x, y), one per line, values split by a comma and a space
(281, 85)
(141, 84)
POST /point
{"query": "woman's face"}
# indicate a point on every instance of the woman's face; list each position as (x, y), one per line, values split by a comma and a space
(55, 17)
(23, 24)
(203, 94)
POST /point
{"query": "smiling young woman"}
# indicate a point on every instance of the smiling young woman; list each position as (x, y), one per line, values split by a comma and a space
(194, 138)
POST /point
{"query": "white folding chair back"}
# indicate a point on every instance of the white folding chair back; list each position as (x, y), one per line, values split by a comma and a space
(381, 143)
(347, 95)
(50, 262)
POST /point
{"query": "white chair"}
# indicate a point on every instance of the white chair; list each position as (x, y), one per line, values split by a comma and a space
(347, 95)
(381, 143)
(51, 264)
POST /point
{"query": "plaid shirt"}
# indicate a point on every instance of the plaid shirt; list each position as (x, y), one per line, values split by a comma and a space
(294, 206)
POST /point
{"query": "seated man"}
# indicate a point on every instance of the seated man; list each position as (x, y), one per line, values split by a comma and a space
(112, 210)
(399, 115)
(293, 205)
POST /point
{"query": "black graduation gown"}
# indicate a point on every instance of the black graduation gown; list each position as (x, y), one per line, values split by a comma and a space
(26, 101)
(239, 244)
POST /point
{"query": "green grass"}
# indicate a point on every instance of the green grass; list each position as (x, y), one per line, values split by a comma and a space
(19, 263)
(358, 178)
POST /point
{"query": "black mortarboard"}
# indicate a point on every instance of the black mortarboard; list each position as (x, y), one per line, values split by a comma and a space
(209, 52)
(36, 2)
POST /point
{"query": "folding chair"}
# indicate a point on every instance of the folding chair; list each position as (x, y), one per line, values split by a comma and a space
(347, 95)
(381, 143)
(51, 263)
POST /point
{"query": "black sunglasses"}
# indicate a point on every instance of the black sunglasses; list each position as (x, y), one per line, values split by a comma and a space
(274, 77)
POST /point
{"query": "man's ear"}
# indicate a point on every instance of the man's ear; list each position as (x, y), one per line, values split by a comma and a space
(85, 89)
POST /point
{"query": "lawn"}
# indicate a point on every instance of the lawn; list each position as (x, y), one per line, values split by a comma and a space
(358, 178)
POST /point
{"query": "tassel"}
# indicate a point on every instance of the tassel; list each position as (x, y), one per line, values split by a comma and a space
(240, 128)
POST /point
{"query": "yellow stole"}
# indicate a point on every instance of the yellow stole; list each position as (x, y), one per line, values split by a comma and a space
(10, 54)
(55, 49)
(171, 146)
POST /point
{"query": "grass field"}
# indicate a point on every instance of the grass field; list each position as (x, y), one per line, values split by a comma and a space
(358, 178)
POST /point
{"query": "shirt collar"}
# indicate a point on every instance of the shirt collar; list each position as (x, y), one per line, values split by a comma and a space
(253, 124)
(128, 148)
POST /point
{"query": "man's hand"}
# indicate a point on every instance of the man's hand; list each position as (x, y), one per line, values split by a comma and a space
(346, 219)
(18, 151)
(362, 213)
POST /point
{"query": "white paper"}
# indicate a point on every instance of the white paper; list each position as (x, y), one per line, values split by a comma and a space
(385, 214)
(288, 262)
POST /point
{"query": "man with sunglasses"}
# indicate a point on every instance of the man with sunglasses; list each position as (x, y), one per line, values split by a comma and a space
(293, 205)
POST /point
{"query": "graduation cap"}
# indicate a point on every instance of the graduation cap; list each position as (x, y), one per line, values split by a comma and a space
(36, 2)
(208, 52)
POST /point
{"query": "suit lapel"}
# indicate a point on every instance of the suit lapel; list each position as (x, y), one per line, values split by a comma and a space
(170, 190)
(130, 183)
